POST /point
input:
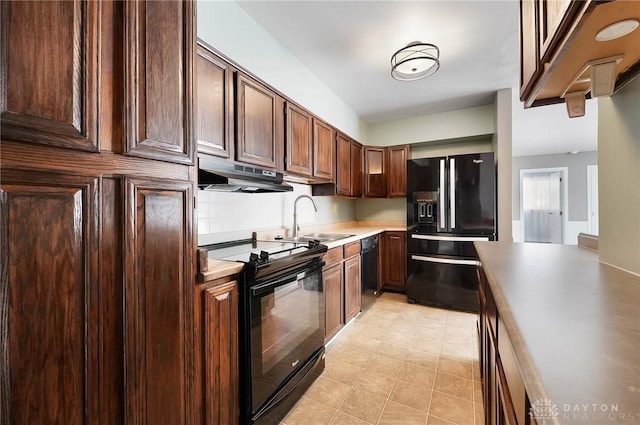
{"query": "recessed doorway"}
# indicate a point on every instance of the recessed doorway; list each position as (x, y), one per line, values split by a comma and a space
(543, 204)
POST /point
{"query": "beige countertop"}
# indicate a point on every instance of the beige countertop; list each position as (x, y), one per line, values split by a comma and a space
(219, 268)
(575, 327)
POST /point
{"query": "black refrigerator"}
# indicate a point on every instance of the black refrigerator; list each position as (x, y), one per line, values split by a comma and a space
(451, 203)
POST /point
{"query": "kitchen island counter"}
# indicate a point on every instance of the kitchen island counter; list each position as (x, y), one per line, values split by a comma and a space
(574, 325)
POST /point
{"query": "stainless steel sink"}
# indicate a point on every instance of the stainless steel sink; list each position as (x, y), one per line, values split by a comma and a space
(320, 237)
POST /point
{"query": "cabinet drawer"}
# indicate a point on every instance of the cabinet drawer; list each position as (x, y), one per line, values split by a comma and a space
(351, 249)
(333, 255)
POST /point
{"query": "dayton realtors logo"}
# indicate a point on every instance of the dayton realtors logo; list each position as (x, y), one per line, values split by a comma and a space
(544, 410)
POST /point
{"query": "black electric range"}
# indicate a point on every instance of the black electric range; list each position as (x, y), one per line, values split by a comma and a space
(281, 331)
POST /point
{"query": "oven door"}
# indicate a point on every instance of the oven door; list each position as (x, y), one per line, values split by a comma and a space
(287, 328)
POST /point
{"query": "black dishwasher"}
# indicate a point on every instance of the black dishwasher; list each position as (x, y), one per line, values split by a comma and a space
(370, 271)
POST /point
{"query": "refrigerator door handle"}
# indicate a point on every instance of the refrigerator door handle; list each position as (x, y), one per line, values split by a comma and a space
(450, 238)
(445, 260)
(442, 200)
(452, 193)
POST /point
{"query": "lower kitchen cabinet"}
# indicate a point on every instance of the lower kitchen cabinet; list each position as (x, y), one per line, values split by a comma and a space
(394, 263)
(352, 282)
(216, 318)
(504, 395)
(333, 289)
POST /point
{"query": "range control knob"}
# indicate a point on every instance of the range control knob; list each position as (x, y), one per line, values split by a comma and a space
(264, 256)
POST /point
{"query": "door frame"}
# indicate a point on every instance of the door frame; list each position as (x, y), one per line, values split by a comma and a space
(564, 196)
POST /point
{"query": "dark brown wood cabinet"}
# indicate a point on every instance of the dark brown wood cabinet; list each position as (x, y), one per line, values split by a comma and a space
(385, 171)
(394, 261)
(397, 171)
(259, 124)
(333, 289)
(375, 172)
(333, 282)
(352, 286)
(56, 104)
(158, 62)
(298, 141)
(216, 322)
(349, 168)
(343, 165)
(214, 104)
(324, 150)
(51, 307)
(158, 255)
(96, 213)
(505, 399)
(356, 169)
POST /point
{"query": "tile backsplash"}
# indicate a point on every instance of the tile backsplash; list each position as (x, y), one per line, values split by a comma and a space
(229, 216)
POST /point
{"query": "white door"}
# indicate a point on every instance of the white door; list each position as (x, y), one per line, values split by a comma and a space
(592, 198)
(542, 197)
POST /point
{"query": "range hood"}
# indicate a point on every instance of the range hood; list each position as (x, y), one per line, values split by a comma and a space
(223, 176)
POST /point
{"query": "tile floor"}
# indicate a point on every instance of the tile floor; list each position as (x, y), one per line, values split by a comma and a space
(400, 364)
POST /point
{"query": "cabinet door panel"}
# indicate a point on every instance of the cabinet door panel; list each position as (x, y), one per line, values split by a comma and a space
(394, 260)
(158, 307)
(160, 44)
(343, 158)
(221, 354)
(356, 169)
(529, 58)
(256, 128)
(353, 287)
(324, 143)
(214, 133)
(333, 288)
(375, 165)
(299, 144)
(397, 171)
(50, 90)
(49, 304)
(551, 15)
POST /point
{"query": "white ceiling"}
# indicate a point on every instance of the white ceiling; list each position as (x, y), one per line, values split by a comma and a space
(348, 46)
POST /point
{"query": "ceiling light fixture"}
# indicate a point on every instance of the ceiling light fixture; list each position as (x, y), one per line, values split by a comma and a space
(415, 61)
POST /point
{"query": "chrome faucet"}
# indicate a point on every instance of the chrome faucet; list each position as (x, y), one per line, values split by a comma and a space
(295, 212)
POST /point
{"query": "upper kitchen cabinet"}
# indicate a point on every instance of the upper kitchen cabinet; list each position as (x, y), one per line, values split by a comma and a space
(375, 172)
(356, 169)
(214, 104)
(259, 124)
(572, 50)
(348, 160)
(324, 150)
(397, 171)
(50, 90)
(298, 141)
(343, 165)
(160, 44)
(385, 171)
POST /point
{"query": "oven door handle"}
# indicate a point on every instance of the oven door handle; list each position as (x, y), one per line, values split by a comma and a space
(291, 277)
(445, 260)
